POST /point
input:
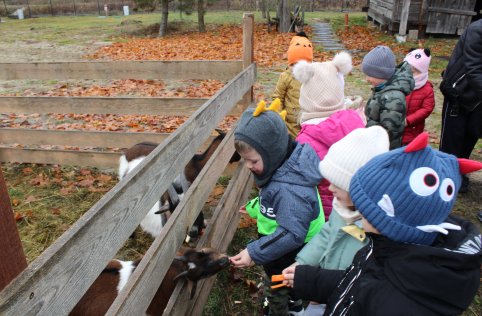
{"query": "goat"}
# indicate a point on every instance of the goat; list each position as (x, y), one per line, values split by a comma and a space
(153, 223)
(191, 264)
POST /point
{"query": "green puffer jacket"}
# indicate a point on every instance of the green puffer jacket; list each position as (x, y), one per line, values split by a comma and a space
(288, 91)
(387, 106)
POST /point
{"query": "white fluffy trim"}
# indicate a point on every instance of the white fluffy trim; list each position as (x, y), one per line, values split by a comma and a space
(343, 62)
(303, 71)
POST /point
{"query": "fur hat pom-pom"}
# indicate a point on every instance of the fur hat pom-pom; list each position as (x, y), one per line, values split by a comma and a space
(303, 71)
(343, 62)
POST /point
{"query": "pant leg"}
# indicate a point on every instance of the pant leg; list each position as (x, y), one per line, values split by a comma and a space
(473, 131)
(453, 131)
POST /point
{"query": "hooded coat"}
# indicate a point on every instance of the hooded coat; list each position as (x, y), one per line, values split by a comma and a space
(324, 134)
(420, 104)
(290, 198)
(387, 106)
(393, 278)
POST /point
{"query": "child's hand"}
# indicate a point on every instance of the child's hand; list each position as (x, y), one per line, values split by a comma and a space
(242, 259)
(289, 275)
(242, 210)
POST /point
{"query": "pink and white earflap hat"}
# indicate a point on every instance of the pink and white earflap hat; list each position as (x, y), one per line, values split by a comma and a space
(420, 59)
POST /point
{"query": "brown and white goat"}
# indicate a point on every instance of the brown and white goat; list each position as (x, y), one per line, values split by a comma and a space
(190, 264)
(153, 223)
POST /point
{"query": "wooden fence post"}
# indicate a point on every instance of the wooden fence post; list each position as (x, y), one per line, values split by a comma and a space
(402, 31)
(13, 259)
(248, 55)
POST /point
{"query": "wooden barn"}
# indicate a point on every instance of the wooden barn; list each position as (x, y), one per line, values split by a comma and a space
(425, 16)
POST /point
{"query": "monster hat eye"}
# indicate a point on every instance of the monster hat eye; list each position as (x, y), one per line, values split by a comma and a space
(424, 181)
(447, 190)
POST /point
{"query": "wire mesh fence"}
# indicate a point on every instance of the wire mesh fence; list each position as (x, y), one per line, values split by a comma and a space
(34, 8)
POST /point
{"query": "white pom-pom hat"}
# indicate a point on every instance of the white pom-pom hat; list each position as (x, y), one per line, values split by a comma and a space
(322, 86)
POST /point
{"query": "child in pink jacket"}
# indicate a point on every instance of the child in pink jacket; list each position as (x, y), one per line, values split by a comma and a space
(421, 101)
(323, 114)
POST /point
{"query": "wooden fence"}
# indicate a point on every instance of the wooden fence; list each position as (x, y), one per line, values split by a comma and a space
(54, 282)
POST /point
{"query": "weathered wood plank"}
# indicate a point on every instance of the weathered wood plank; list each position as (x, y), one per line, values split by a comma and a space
(222, 227)
(57, 279)
(451, 11)
(103, 160)
(77, 138)
(138, 293)
(101, 105)
(186, 69)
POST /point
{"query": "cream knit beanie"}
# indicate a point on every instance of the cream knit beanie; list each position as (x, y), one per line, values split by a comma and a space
(350, 153)
(322, 86)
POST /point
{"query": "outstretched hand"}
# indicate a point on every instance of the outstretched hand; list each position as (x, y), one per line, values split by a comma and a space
(242, 259)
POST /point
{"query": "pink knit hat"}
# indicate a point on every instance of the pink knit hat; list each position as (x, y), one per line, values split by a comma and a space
(419, 59)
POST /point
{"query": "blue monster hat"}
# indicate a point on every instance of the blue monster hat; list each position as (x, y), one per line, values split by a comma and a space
(407, 193)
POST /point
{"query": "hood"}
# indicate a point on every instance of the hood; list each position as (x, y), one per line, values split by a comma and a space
(331, 130)
(301, 168)
(443, 277)
(402, 80)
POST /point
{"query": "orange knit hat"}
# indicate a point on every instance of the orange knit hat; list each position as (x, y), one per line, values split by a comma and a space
(300, 49)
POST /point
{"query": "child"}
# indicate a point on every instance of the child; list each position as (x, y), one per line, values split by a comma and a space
(421, 101)
(412, 265)
(341, 237)
(288, 88)
(387, 105)
(289, 213)
(323, 117)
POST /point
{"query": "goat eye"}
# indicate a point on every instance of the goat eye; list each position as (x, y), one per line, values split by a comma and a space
(424, 181)
(447, 190)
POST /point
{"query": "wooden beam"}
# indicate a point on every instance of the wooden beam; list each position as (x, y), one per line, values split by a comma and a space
(101, 105)
(97, 159)
(195, 69)
(404, 17)
(57, 279)
(13, 261)
(90, 139)
(451, 11)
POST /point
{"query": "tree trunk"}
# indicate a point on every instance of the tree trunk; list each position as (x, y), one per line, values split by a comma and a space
(228, 5)
(284, 16)
(263, 9)
(312, 5)
(200, 16)
(165, 14)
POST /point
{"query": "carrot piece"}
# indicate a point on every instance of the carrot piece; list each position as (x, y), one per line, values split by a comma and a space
(277, 286)
(277, 278)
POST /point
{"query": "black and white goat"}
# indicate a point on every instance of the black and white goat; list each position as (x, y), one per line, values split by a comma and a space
(153, 223)
(191, 264)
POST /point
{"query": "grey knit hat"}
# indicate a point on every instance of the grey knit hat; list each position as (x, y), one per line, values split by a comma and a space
(268, 135)
(379, 63)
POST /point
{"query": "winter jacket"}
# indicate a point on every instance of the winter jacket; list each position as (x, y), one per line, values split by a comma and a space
(337, 242)
(462, 79)
(392, 278)
(291, 199)
(387, 108)
(420, 104)
(288, 91)
(324, 134)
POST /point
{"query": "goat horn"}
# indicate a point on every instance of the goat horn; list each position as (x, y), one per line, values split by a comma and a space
(182, 274)
(162, 209)
(180, 258)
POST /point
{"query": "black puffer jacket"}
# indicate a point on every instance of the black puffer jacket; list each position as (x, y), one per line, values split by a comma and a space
(391, 278)
(466, 59)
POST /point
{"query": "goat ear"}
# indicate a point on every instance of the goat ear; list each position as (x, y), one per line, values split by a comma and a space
(192, 286)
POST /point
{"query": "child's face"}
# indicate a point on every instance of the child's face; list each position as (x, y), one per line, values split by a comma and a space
(253, 161)
(415, 71)
(374, 81)
(341, 195)
(368, 228)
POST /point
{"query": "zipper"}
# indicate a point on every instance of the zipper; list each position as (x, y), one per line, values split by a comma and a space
(269, 242)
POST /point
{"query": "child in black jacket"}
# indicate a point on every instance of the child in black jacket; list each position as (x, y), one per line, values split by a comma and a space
(412, 265)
